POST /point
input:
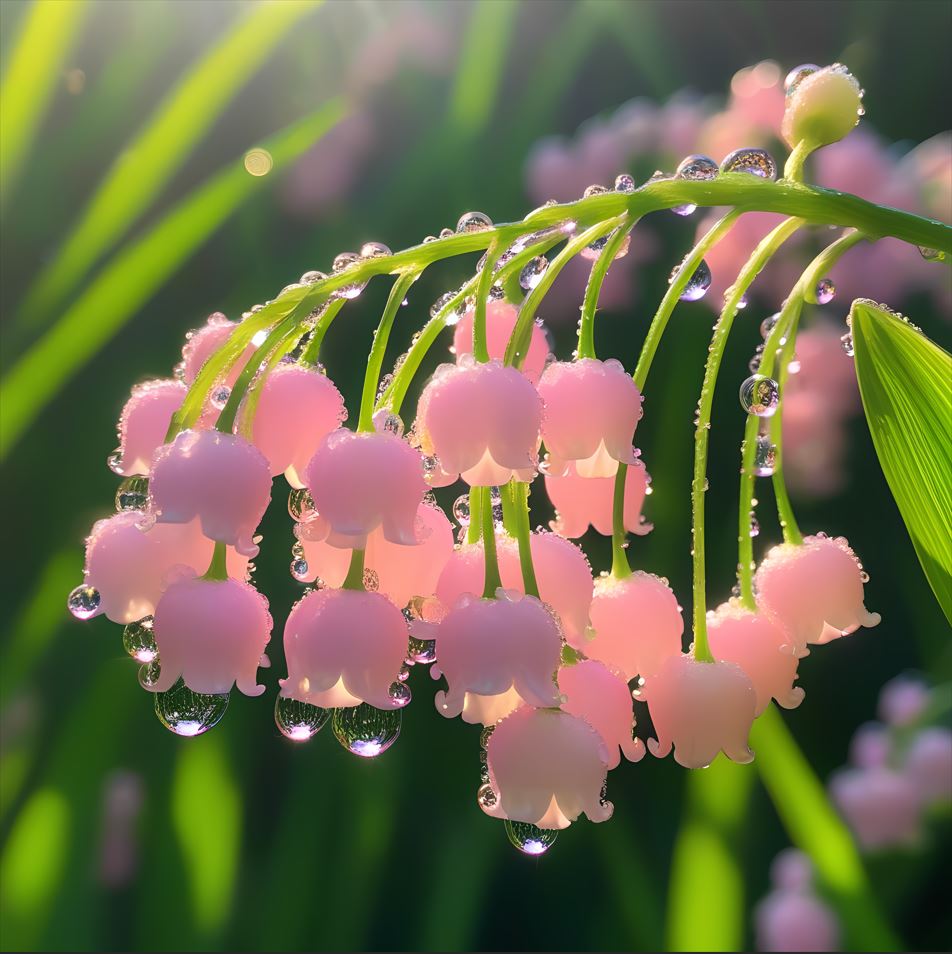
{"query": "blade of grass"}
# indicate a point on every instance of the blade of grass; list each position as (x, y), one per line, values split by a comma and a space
(706, 909)
(163, 144)
(816, 829)
(134, 275)
(35, 66)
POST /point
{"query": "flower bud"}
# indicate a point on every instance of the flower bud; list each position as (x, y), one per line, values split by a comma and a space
(823, 107)
(144, 423)
(881, 806)
(501, 318)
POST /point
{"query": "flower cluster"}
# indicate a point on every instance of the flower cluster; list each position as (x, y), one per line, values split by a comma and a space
(547, 657)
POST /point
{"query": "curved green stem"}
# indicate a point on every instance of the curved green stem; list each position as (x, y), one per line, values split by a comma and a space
(378, 350)
(475, 528)
(788, 522)
(620, 565)
(492, 580)
(355, 572)
(762, 254)
(218, 568)
(325, 319)
(523, 534)
(521, 333)
(586, 328)
(480, 348)
(793, 168)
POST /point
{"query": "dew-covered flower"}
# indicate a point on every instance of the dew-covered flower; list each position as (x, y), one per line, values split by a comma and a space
(360, 482)
(130, 567)
(345, 647)
(815, 590)
(501, 319)
(212, 634)
(144, 422)
(546, 768)
(758, 645)
(700, 709)
(602, 698)
(881, 806)
(402, 572)
(637, 623)
(298, 408)
(220, 479)
(482, 423)
(506, 647)
(203, 342)
(592, 408)
(581, 502)
(822, 107)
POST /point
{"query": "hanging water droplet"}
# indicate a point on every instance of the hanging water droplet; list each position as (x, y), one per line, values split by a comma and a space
(365, 730)
(430, 465)
(793, 365)
(797, 75)
(404, 674)
(188, 713)
(299, 721)
(300, 569)
(532, 273)
(312, 277)
(697, 168)
(138, 640)
(847, 342)
(486, 796)
(300, 504)
(386, 422)
(421, 651)
(624, 183)
(474, 222)
(400, 693)
(114, 461)
(374, 250)
(220, 397)
(768, 324)
(753, 530)
(754, 363)
(756, 162)
(931, 254)
(742, 302)
(133, 493)
(825, 291)
(530, 839)
(698, 283)
(461, 509)
(149, 674)
(496, 497)
(765, 456)
(688, 208)
(759, 395)
(83, 602)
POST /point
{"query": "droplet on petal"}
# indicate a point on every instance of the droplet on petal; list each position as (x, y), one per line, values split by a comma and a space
(298, 721)
(530, 839)
(366, 731)
(188, 713)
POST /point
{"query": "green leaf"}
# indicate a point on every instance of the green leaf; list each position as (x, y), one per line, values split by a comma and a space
(35, 66)
(905, 379)
(129, 280)
(144, 167)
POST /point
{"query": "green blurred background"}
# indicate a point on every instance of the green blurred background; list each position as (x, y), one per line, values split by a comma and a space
(245, 841)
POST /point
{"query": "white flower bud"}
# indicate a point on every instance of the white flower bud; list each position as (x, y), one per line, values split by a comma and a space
(823, 107)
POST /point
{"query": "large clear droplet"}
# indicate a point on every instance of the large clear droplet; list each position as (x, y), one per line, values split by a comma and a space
(530, 839)
(697, 168)
(486, 796)
(83, 602)
(312, 277)
(698, 283)
(299, 721)
(149, 674)
(345, 260)
(532, 273)
(365, 730)
(300, 569)
(374, 250)
(461, 509)
(400, 692)
(138, 640)
(421, 651)
(474, 222)
(755, 162)
(114, 461)
(825, 291)
(133, 493)
(188, 713)
(759, 395)
(624, 183)
(765, 456)
(797, 75)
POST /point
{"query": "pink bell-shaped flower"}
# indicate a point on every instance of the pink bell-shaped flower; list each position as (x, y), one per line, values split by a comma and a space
(219, 478)
(489, 647)
(903, 700)
(482, 423)
(700, 708)
(403, 572)
(345, 647)
(545, 769)
(359, 482)
(501, 319)
(298, 408)
(212, 634)
(928, 765)
(637, 623)
(814, 590)
(881, 806)
(130, 568)
(871, 746)
(756, 643)
(203, 342)
(591, 411)
(602, 698)
(144, 423)
(583, 501)
(795, 921)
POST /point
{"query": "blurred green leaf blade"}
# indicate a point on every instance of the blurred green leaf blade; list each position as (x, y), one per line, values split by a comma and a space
(35, 66)
(906, 384)
(130, 278)
(143, 169)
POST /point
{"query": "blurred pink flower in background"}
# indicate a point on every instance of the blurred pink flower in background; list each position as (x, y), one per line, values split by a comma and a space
(123, 796)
